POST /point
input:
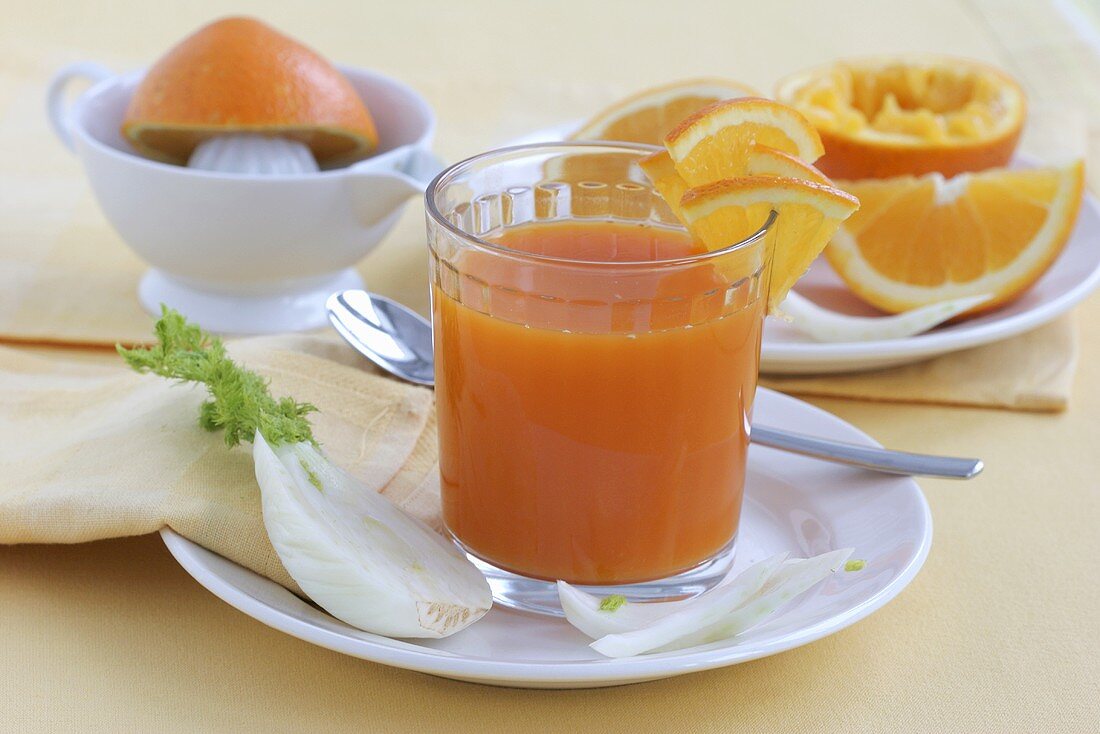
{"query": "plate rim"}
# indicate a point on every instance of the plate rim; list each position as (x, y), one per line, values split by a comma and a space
(857, 356)
(582, 673)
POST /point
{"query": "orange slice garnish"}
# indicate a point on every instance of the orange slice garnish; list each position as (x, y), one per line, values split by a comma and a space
(809, 213)
(761, 161)
(765, 161)
(662, 174)
(715, 142)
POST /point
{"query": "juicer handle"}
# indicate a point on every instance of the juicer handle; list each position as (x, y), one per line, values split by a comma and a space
(422, 166)
(56, 108)
(380, 185)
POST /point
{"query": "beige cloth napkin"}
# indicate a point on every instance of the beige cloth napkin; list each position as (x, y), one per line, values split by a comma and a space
(1032, 372)
(102, 452)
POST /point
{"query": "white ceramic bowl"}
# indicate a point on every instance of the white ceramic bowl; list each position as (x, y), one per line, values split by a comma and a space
(242, 253)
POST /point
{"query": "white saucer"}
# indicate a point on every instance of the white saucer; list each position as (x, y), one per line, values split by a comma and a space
(784, 350)
(792, 503)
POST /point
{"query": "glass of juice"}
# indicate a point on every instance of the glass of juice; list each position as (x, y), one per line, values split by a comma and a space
(595, 369)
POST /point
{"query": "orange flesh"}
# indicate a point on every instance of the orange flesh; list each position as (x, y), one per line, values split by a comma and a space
(640, 126)
(726, 154)
(595, 444)
(955, 241)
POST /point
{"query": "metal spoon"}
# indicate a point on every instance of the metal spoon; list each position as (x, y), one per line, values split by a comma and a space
(399, 341)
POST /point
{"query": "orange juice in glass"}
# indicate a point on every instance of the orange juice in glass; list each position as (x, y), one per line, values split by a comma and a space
(595, 372)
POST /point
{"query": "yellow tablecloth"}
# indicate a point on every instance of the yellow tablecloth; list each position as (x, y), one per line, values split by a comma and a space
(997, 634)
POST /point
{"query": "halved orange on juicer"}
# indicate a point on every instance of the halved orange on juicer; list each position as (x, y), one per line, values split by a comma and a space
(239, 75)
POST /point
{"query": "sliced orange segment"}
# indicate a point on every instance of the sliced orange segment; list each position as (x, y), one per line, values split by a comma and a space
(917, 241)
(669, 184)
(715, 142)
(728, 211)
(765, 161)
(909, 115)
(647, 116)
(762, 161)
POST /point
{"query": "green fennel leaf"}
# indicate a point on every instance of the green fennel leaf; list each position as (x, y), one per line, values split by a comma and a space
(312, 476)
(613, 602)
(240, 401)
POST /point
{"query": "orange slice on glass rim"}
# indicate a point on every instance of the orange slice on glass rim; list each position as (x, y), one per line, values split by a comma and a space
(739, 161)
(731, 210)
(715, 142)
(761, 161)
(765, 161)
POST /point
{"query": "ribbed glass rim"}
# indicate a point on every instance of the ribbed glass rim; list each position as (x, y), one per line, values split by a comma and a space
(448, 174)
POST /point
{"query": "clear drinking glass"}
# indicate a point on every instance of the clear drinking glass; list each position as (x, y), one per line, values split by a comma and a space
(595, 373)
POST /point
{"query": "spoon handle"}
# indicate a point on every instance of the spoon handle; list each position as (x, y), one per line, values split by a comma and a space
(866, 457)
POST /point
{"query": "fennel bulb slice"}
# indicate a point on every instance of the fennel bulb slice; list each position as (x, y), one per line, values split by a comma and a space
(793, 577)
(357, 555)
(727, 610)
(587, 613)
(349, 548)
(824, 325)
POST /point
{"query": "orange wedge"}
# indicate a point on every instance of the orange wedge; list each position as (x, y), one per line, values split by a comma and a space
(715, 142)
(917, 241)
(662, 174)
(765, 161)
(761, 161)
(740, 160)
(909, 115)
(647, 116)
(809, 213)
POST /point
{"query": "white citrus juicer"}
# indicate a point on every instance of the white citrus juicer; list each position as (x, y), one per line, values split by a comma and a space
(250, 238)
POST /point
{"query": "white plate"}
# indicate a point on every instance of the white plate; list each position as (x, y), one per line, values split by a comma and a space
(792, 503)
(784, 350)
